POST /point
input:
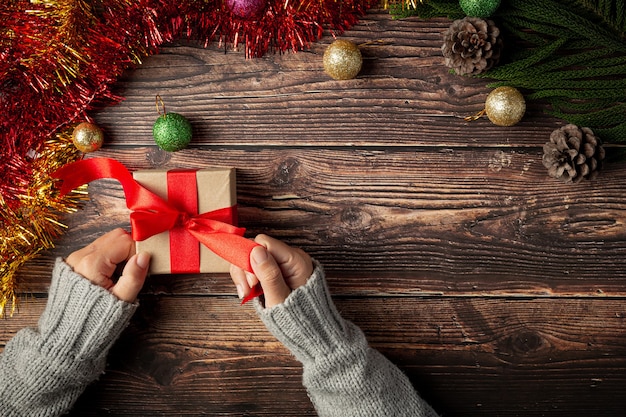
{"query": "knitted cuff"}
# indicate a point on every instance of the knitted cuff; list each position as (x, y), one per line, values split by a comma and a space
(308, 322)
(81, 322)
(44, 370)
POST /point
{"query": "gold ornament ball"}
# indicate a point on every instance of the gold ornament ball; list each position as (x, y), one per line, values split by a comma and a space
(342, 60)
(505, 106)
(87, 137)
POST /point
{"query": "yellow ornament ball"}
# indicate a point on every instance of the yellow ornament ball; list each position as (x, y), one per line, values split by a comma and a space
(342, 60)
(505, 106)
(87, 137)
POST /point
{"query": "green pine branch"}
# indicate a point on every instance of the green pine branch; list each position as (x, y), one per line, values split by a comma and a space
(570, 53)
(427, 9)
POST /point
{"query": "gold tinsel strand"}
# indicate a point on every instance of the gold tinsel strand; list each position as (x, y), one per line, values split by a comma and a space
(36, 223)
(384, 4)
(68, 22)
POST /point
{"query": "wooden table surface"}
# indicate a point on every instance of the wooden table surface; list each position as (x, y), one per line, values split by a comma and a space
(498, 290)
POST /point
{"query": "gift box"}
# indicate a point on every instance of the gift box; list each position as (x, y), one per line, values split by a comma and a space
(176, 251)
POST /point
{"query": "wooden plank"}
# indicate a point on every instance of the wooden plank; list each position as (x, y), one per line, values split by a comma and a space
(473, 221)
(404, 96)
(488, 356)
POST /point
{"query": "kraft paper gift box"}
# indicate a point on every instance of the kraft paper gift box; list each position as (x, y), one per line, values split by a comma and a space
(215, 189)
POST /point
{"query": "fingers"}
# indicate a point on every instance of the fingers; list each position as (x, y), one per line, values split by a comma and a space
(115, 246)
(98, 261)
(238, 276)
(277, 266)
(133, 278)
(295, 265)
(269, 275)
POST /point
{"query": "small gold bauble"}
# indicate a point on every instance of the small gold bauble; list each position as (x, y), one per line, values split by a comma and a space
(87, 137)
(505, 106)
(342, 60)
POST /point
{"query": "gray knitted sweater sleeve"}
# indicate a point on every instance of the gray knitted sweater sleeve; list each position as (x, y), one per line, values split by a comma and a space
(44, 370)
(344, 377)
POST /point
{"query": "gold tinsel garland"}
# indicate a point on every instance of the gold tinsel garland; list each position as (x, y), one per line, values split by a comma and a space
(37, 222)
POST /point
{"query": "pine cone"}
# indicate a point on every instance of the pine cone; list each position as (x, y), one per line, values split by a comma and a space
(471, 45)
(573, 153)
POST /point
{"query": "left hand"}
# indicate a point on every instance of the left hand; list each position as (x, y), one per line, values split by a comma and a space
(98, 260)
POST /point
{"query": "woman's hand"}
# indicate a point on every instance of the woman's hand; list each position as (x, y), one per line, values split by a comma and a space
(278, 267)
(98, 260)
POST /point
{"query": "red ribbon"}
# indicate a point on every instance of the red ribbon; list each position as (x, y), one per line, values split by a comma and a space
(152, 215)
(182, 191)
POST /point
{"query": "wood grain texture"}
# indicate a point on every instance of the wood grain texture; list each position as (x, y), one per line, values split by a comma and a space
(499, 291)
(493, 356)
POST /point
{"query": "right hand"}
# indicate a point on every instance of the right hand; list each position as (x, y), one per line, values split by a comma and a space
(278, 267)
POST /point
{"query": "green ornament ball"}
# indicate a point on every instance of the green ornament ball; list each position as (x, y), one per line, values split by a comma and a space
(171, 132)
(479, 8)
(342, 60)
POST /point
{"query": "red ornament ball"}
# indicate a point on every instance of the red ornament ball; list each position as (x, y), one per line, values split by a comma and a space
(87, 137)
(246, 9)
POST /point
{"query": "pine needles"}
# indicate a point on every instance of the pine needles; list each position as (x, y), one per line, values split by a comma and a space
(572, 54)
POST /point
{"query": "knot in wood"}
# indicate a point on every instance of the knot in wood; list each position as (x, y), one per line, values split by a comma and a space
(286, 172)
(355, 217)
(350, 225)
(526, 342)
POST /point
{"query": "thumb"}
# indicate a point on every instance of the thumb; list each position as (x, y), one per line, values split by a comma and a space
(133, 277)
(268, 272)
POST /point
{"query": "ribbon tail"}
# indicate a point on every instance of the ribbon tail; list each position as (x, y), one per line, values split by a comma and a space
(254, 293)
(74, 175)
(233, 248)
(85, 171)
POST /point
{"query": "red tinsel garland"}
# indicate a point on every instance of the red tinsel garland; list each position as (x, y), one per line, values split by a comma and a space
(58, 58)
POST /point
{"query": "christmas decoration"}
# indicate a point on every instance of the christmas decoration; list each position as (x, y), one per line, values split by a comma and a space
(342, 60)
(479, 8)
(505, 106)
(87, 137)
(569, 53)
(196, 191)
(172, 132)
(471, 45)
(573, 154)
(246, 9)
(60, 58)
(31, 221)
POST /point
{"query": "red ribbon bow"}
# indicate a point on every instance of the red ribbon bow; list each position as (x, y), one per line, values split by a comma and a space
(152, 215)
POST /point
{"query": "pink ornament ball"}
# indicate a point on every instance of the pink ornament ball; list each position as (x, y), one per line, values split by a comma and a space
(246, 9)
